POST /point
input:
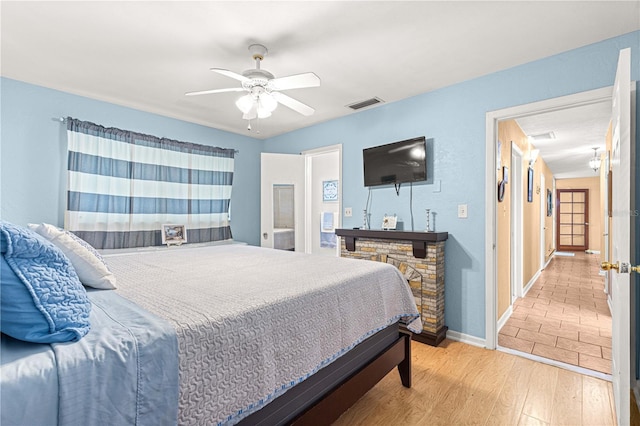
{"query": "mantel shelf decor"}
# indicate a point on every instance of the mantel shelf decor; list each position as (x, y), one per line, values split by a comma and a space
(419, 256)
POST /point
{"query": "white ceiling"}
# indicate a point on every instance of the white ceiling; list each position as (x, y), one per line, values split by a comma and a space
(577, 131)
(147, 54)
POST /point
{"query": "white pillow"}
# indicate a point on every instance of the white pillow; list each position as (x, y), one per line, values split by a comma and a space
(89, 265)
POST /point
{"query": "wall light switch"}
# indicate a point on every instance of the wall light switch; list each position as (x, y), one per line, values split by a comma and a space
(348, 212)
(462, 211)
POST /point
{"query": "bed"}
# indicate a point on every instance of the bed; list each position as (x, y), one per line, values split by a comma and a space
(218, 335)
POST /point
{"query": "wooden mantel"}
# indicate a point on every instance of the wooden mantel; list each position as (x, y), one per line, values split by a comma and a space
(419, 240)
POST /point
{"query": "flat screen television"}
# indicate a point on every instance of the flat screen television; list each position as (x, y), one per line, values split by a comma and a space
(394, 163)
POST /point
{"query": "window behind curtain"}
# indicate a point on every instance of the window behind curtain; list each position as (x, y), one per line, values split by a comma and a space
(122, 186)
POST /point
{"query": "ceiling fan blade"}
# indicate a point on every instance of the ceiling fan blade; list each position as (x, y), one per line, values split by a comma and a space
(208, 92)
(231, 74)
(297, 81)
(293, 104)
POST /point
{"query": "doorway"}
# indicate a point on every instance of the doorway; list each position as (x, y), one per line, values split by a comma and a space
(492, 118)
(622, 97)
(301, 200)
(539, 252)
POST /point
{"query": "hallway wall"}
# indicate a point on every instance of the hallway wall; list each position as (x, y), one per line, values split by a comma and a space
(509, 131)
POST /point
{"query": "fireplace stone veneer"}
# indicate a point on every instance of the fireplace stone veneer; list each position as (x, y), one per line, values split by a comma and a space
(420, 258)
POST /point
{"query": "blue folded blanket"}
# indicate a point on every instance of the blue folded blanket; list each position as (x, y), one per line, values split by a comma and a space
(42, 299)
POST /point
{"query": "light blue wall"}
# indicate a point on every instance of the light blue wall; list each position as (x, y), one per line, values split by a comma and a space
(454, 118)
(33, 153)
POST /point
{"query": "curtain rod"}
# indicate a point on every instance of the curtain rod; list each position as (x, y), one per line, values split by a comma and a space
(64, 120)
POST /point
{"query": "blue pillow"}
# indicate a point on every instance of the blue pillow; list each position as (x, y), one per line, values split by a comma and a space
(41, 299)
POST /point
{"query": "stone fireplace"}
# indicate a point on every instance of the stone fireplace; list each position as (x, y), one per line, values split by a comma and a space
(420, 258)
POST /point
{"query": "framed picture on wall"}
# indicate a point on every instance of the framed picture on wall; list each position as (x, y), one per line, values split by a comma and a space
(549, 202)
(330, 190)
(530, 185)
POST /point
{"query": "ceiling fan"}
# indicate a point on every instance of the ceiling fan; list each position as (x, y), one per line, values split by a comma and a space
(264, 90)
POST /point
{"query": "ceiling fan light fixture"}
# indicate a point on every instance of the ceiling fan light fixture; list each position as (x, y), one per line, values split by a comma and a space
(267, 102)
(264, 89)
(245, 103)
(263, 113)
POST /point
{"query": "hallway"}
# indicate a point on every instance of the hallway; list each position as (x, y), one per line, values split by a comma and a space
(564, 316)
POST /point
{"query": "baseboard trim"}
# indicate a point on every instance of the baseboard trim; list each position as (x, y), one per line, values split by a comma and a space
(530, 283)
(503, 319)
(466, 338)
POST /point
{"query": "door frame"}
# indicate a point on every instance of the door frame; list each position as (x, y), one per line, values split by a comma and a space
(543, 215)
(308, 158)
(517, 205)
(491, 127)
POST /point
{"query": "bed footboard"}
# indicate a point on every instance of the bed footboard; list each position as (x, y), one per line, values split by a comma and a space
(323, 397)
(344, 396)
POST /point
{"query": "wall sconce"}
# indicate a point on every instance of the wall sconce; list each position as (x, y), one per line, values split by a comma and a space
(533, 156)
(594, 163)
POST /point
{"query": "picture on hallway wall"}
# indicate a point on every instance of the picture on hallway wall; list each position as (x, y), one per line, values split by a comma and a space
(549, 202)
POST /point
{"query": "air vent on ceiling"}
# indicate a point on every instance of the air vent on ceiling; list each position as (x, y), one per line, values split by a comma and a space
(363, 104)
(543, 136)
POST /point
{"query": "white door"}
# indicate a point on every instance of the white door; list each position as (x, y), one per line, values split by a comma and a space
(605, 250)
(279, 171)
(620, 236)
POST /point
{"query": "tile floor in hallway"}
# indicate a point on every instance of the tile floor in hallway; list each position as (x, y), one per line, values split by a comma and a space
(564, 316)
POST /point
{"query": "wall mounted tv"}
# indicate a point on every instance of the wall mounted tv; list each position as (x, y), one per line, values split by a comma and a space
(395, 163)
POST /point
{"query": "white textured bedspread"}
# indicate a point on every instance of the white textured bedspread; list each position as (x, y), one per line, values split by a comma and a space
(252, 322)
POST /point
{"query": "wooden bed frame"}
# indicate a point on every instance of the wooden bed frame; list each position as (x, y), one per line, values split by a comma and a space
(323, 397)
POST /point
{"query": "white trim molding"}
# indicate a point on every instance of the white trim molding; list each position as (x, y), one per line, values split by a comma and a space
(466, 338)
(505, 317)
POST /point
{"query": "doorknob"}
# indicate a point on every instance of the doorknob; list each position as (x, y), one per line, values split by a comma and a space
(622, 268)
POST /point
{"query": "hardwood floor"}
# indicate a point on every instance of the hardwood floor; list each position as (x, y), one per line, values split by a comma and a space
(459, 384)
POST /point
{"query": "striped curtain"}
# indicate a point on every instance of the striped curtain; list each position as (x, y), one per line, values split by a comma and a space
(123, 186)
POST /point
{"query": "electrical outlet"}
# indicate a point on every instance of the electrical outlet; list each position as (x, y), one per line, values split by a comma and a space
(348, 212)
(462, 211)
